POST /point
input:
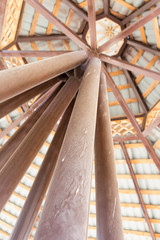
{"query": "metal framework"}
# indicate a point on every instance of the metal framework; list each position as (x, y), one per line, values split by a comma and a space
(70, 93)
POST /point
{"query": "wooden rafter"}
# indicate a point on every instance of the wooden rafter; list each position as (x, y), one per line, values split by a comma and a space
(128, 30)
(20, 20)
(31, 53)
(139, 11)
(50, 17)
(22, 117)
(92, 23)
(106, 6)
(76, 9)
(51, 37)
(144, 47)
(125, 138)
(134, 178)
(130, 67)
(130, 116)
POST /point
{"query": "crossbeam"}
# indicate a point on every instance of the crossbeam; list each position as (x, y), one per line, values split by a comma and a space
(51, 37)
(31, 53)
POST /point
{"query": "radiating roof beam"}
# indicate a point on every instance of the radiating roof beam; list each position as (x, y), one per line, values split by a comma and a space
(142, 46)
(60, 25)
(125, 138)
(131, 117)
(130, 67)
(106, 5)
(51, 37)
(31, 53)
(138, 191)
(139, 11)
(92, 23)
(76, 9)
(20, 20)
(128, 30)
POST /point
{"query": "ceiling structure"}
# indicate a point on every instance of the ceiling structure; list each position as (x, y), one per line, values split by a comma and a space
(31, 31)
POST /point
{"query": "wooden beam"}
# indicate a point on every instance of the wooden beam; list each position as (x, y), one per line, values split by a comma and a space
(60, 25)
(139, 11)
(138, 176)
(12, 144)
(36, 195)
(125, 138)
(76, 9)
(116, 118)
(30, 53)
(143, 46)
(138, 191)
(11, 104)
(128, 30)
(16, 166)
(73, 180)
(108, 213)
(133, 191)
(3, 6)
(11, 79)
(20, 21)
(106, 7)
(126, 218)
(130, 67)
(8, 46)
(51, 37)
(92, 23)
(131, 117)
(22, 117)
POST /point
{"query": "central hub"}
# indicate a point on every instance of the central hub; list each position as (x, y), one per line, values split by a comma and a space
(105, 30)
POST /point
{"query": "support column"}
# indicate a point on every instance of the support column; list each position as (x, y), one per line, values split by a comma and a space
(65, 214)
(18, 163)
(109, 222)
(31, 207)
(12, 103)
(13, 143)
(14, 81)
